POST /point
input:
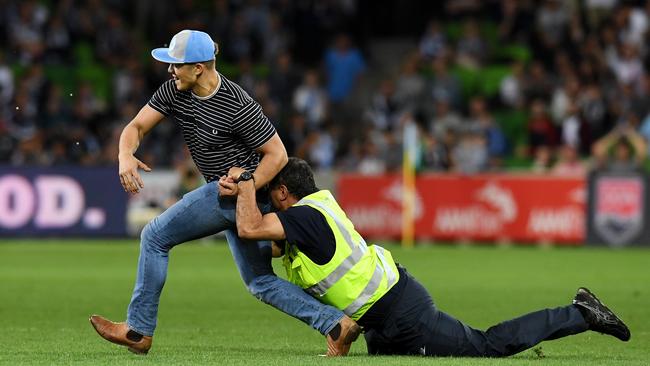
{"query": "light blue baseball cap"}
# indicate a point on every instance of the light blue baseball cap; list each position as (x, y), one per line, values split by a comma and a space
(187, 46)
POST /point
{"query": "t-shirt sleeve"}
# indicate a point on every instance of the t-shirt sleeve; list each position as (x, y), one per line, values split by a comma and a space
(306, 228)
(252, 126)
(163, 99)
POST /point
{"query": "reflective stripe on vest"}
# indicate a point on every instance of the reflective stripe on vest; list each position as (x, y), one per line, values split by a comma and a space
(339, 224)
(367, 292)
(358, 250)
(346, 265)
(373, 285)
(326, 283)
(390, 274)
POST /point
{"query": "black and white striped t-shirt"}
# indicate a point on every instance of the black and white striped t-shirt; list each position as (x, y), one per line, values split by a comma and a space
(221, 130)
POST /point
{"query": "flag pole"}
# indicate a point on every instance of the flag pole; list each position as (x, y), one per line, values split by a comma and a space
(408, 183)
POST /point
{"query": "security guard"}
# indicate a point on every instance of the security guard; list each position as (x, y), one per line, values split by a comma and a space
(327, 257)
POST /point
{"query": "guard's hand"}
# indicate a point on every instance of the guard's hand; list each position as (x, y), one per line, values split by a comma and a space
(227, 186)
(129, 176)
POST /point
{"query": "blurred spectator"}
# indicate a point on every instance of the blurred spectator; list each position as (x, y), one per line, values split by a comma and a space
(538, 84)
(627, 67)
(256, 16)
(57, 41)
(551, 23)
(621, 150)
(512, 86)
(541, 131)
(471, 49)
(6, 83)
(563, 97)
(128, 83)
(568, 163)
(464, 7)
(310, 99)
(247, 79)
(22, 124)
(542, 159)
(113, 42)
(574, 131)
(352, 158)
(56, 114)
(409, 85)
(220, 22)
(276, 39)
(593, 110)
(35, 83)
(319, 147)
(239, 43)
(632, 23)
(296, 132)
(444, 85)
(29, 152)
(563, 68)
(371, 162)
(597, 10)
(392, 151)
(445, 120)
(433, 43)
(26, 23)
(283, 80)
(87, 106)
(470, 155)
(481, 119)
(344, 65)
(384, 111)
(515, 21)
(435, 153)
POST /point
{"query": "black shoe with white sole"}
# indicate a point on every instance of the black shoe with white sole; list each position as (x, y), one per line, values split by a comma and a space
(599, 317)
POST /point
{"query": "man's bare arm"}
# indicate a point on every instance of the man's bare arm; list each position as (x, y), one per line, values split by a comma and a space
(274, 158)
(130, 139)
(251, 224)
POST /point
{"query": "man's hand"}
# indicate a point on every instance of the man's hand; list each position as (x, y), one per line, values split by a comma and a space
(235, 172)
(129, 176)
(227, 186)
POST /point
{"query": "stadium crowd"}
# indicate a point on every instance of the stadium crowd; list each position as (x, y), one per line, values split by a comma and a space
(544, 85)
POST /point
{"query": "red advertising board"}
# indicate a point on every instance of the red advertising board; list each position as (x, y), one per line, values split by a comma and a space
(483, 207)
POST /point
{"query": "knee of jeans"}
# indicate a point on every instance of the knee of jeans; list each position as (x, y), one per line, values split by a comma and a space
(150, 238)
(260, 285)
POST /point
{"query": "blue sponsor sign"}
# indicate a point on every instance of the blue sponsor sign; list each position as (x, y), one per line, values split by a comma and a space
(61, 201)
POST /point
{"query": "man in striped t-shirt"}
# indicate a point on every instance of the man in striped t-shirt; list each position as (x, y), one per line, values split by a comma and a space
(222, 127)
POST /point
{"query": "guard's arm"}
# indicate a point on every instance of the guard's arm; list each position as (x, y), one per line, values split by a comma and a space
(251, 224)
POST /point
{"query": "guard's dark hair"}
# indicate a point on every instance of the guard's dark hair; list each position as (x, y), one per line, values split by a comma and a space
(297, 177)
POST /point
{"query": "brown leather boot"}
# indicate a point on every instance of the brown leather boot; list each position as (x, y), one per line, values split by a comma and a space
(118, 333)
(341, 337)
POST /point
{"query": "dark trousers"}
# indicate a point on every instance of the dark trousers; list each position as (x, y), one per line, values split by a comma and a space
(415, 326)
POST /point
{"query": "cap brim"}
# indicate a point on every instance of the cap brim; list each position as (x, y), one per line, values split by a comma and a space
(162, 55)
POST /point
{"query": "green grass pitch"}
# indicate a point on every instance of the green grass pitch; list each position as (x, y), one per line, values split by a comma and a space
(49, 288)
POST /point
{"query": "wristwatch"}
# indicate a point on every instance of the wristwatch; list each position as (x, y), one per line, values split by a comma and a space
(245, 175)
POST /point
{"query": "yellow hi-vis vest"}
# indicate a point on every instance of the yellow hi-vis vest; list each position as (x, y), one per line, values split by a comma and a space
(356, 276)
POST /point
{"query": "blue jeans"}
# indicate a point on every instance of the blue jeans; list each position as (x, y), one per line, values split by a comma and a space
(198, 214)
